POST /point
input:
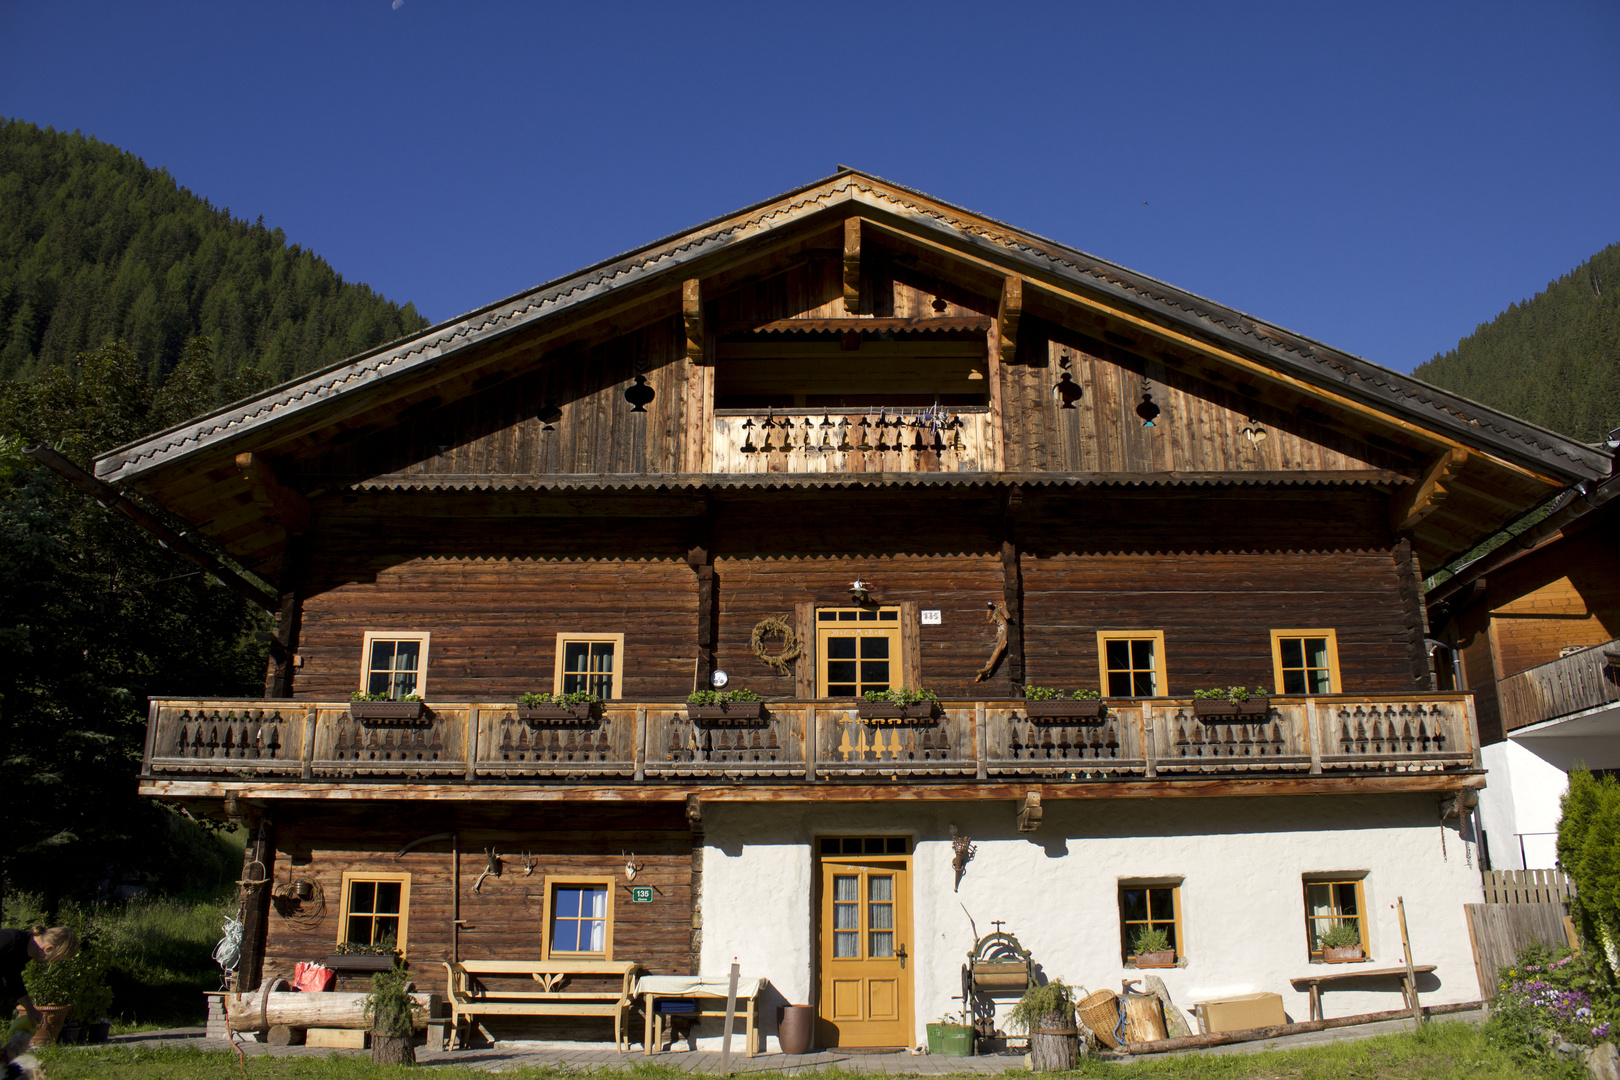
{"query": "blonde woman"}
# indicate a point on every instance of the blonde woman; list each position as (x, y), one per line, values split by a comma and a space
(17, 947)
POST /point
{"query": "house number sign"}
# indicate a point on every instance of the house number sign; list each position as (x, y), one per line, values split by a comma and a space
(641, 894)
(931, 617)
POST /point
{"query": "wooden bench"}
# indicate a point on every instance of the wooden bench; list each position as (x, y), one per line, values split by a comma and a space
(1350, 971)
(471, 997)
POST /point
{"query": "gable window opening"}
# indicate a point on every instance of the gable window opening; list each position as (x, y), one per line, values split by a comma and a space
(375, 909)
(395, 666)
(1332, 903)
(580, 921)
(1305, 662)
(1150, 921)
(859, 650)
(1132, 663)
(591, 664)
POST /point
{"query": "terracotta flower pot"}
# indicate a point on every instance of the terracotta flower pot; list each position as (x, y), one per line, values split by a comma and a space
(50, 1024)
(1342, 954)
(1161, 958)
(796, 1029)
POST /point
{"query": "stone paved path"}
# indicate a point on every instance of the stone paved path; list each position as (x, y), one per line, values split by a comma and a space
(503, 1058)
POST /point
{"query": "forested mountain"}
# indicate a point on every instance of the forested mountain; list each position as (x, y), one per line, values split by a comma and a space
(1553, 359)
(127, 305)
(94, 245)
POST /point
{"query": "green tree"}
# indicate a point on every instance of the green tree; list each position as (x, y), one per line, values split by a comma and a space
(1589, 852)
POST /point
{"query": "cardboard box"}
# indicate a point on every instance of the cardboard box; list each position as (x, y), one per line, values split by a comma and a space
(1239, 1013)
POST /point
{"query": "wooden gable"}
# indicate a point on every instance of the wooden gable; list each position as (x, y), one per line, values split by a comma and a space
(845, 306)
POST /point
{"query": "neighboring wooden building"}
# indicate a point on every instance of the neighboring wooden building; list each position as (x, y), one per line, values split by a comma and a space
(1041, 468)
(1535, 629)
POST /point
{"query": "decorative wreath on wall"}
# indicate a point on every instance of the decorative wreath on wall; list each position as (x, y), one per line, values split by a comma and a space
(767, 629)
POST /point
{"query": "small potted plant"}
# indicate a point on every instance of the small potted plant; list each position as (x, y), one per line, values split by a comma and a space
(1237, 701)
(900, 704)
(381, 709)
(364, 956)
(951, 1036)
(1150, 948)
(1045, 705)
(725, 708)
(1341, 944)
(558, 710)
(393, 1018)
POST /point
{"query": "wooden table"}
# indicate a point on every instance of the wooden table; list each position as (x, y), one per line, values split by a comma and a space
(700, 988)
(1352, 971)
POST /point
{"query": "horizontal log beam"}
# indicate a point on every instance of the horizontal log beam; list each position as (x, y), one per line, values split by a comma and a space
(1013, 791)
(1416, 502)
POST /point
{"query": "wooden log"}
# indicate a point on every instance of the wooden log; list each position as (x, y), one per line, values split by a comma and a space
(283, 1035)
(1144, 1018)
(335, 1009)
(1054, 1045)
(1193, 1042)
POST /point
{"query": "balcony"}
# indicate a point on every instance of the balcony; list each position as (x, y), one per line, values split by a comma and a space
(821, 744)
(852, 441)
(1571, 684)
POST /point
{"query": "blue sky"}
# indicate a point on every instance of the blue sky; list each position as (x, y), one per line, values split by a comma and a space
(1382, 177)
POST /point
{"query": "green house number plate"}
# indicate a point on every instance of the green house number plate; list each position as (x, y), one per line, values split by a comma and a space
(641, 894)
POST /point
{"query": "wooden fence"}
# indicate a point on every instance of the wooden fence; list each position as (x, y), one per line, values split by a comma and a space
(1499, 932)
(1527, 887)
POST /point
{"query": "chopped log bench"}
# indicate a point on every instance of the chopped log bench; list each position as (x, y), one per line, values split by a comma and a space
(1315, 981)
(471, 996)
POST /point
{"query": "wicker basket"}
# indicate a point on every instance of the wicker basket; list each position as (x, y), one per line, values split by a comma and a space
(1100, 1013)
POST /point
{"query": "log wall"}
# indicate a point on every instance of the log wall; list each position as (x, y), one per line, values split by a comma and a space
(504, 917)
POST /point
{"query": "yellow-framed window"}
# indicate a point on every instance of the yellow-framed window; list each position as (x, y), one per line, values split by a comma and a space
(375, 907)
(1333, 900)
(857, 649)
(394, 662)
(1149, 905)
(592, 663)
(1131, 664)
(1306, 661)
(579, 918)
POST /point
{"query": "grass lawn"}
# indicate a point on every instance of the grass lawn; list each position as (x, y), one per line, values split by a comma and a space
(1442, 1051)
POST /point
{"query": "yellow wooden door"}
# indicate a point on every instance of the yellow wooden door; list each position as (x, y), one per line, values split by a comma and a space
(864, 997)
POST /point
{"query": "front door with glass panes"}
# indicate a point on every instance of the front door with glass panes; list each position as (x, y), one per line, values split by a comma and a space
(864, 992)
(859, 650)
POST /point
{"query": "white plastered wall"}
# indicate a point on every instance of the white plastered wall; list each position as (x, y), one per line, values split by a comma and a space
(1241, 863)
(1527, 778)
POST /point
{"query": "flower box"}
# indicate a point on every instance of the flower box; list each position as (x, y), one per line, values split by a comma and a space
(728, 714)
(1214, 707)
(1161, 958)
(1344, 954)
(555, 715)
(894, 712)
(1257, 708)
(387, 712)
(1063, 711)
(359, 962)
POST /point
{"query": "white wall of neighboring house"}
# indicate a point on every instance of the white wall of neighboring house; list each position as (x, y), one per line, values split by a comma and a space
(1240, 861)
(1527, 775)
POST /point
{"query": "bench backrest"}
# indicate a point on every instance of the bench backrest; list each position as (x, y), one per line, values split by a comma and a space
(463, 974)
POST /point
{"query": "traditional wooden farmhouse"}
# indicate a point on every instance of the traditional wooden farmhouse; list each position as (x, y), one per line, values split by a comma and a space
(1532, 628)
(850, 440)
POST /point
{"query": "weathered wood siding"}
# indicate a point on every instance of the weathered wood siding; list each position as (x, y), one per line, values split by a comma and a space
(494, 594)
(1201, 426)
(504, 918)
(1217, 578)
(769, 559)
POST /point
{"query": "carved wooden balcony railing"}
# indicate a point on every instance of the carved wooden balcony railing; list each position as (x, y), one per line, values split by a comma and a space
(1571, 684)
(821, 742)
(850, 441)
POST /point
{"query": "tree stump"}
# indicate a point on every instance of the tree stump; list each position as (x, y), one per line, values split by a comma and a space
(283, 1035)
(392, 1049)
(1054, 1045)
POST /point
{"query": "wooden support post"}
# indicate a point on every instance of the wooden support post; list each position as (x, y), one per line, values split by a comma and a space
(1008, 316)
(694, 820)
(311, 716)
(1315, 735)
(1012, 586)
(811, 740)
(1150, 744)
(640, 749)
(1411, 976)
(283, 659)
(731, 1020)
(1414, 502)
(852, 265)
(701, 561)
(1029, 812)
(1409, 585)
(692, 317)
(256, 916)
(474, 719)
(981, 741)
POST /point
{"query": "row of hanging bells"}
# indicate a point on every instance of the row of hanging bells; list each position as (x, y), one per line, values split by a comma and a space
(921, 431)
